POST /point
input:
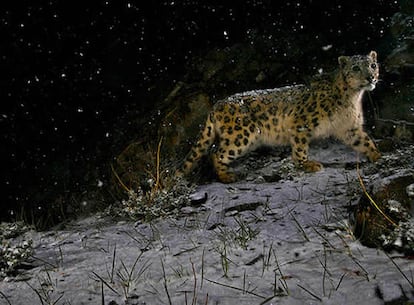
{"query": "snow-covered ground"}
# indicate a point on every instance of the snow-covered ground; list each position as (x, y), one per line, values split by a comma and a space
(253, 242)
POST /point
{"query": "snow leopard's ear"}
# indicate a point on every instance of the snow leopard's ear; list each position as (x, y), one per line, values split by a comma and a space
(343, 61)
(373, 55)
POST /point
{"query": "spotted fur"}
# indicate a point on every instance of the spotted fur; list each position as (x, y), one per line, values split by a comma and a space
(294, 115)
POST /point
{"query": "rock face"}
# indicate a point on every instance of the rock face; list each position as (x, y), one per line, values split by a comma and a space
(385, 219)
(401, 59)
(384, 215)
(395, 116)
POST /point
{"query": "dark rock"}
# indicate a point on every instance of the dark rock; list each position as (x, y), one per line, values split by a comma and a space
(383, 219)
(244, 207)
(198, 198)
(401, 59)
(274, 177)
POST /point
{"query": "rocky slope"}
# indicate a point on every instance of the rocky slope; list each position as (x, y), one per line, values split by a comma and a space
(278, 237)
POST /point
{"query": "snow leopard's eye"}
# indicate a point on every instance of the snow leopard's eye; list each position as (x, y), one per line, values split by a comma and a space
(356, 68)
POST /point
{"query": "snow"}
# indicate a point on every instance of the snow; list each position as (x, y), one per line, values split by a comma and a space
(286, 242)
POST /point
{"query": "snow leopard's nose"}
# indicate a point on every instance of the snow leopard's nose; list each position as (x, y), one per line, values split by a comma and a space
(371, 79)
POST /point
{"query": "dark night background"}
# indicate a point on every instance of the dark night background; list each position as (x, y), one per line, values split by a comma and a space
(74, 76)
